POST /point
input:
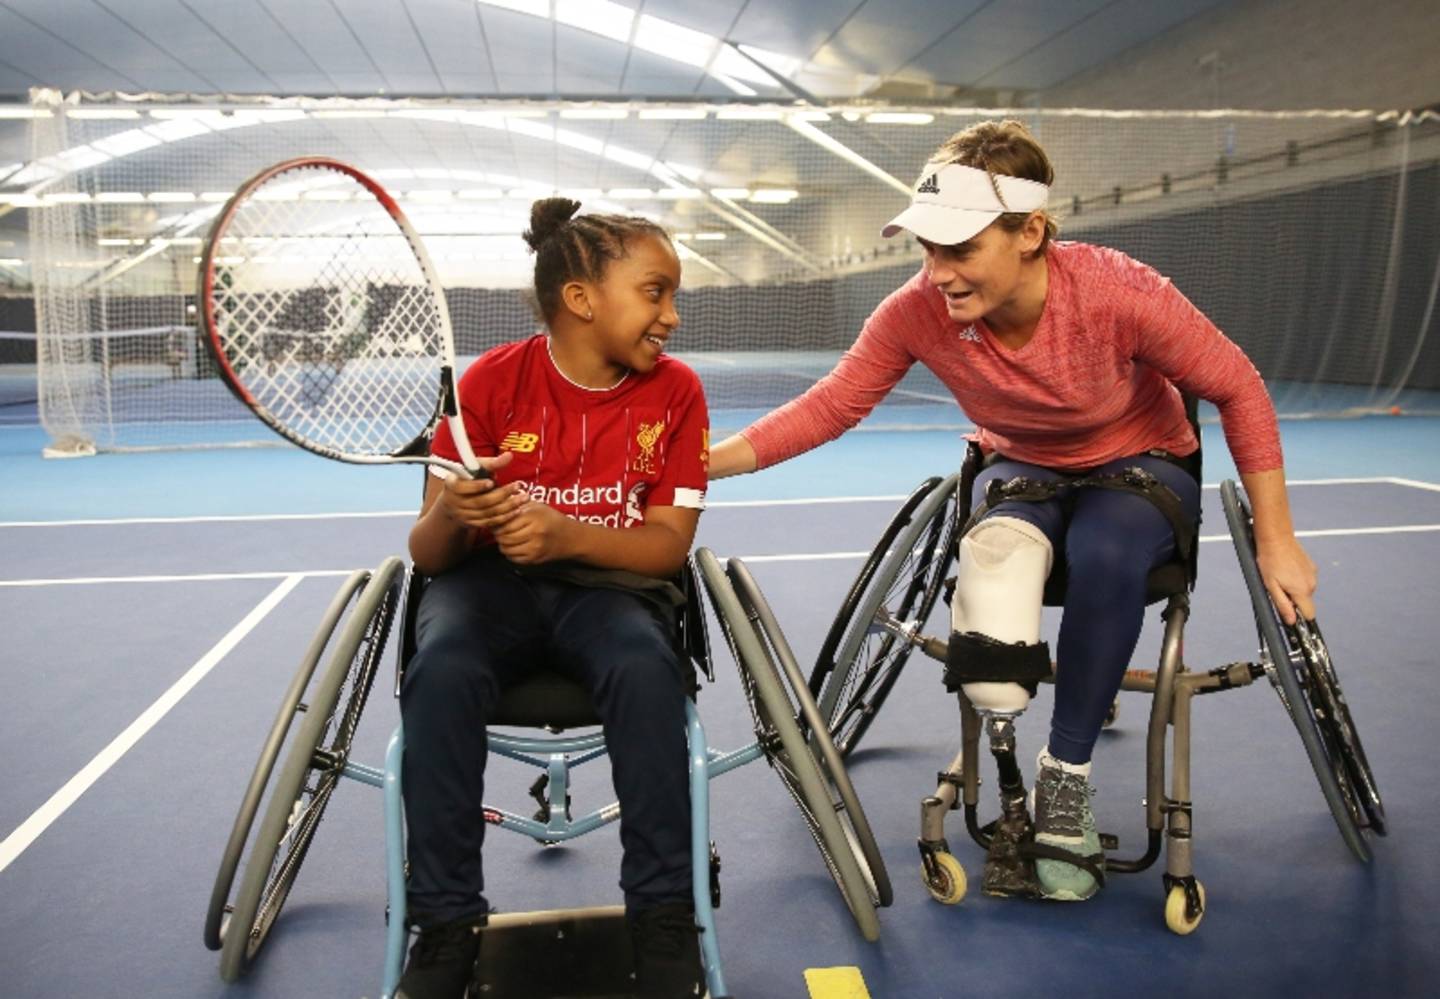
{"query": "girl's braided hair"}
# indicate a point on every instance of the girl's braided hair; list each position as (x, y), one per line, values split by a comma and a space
(571, 247)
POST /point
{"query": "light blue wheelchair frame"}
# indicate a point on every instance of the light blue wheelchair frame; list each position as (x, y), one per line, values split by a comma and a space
(790, 735)
(557, 755)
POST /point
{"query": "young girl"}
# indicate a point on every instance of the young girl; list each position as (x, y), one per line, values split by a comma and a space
(1070, 359)
(597, 444)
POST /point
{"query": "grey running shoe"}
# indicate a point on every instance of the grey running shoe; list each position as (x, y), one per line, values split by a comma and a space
(1069, 861)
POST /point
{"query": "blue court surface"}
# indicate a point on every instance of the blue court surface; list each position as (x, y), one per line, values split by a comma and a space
(155, 605)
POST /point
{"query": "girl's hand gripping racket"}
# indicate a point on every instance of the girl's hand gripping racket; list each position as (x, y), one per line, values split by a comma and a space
(326, 317)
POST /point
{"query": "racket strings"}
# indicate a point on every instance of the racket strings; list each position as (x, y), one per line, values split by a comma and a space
(325, 316)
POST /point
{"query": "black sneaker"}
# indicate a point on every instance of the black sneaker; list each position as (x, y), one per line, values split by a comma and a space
(667, 951)
(442, 962)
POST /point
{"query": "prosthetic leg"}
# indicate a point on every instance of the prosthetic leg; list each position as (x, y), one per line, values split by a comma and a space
(995, 659)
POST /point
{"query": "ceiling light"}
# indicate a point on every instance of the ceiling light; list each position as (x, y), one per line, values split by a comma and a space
(749, 114)
(597, 113)
(603, 17)
(99, 113)
(733, 84)
(731, 193)
(774, 196)
(899, 118)
(673, 114)
(670, 40)
(539, 8)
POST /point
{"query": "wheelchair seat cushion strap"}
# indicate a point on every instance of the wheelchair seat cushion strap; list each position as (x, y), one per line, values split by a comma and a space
(1131, 480)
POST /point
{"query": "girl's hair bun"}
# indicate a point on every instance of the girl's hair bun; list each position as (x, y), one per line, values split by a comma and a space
(546, 217)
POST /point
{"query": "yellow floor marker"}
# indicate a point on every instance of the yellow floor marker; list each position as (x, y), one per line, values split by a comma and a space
(836, 983)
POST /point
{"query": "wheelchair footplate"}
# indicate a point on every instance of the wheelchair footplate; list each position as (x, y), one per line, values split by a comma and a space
(526, 955)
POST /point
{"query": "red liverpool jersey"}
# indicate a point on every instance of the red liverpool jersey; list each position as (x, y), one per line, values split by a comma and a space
(598, 455)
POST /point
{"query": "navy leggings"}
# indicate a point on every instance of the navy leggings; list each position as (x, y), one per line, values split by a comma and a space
(481, 625)
(1110, 540)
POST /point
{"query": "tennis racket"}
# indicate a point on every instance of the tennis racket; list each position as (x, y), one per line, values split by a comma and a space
(325, 317)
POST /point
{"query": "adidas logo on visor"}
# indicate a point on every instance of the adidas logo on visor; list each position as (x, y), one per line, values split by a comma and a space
(930, 185)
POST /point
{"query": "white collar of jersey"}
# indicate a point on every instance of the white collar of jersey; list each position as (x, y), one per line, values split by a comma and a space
(952, 202)
(550, 350)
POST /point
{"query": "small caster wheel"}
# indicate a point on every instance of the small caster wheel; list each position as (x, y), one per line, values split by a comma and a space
(948, 884)
(1176, 917)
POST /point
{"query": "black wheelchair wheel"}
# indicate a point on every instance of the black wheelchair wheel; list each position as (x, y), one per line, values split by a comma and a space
(1337, 724)
(292, 706)
(312, 770)
(786, 749)
(1299, 666)
(861, 657)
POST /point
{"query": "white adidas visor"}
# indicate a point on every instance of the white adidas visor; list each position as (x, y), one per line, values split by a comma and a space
(953, 202)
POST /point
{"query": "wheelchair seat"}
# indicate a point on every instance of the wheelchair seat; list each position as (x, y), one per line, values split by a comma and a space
(1173, 578)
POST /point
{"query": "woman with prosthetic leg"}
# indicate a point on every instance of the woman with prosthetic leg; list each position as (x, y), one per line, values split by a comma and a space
(1113, 526)
(1071, 360)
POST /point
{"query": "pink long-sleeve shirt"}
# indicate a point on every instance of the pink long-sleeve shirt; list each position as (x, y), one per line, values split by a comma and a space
(1097, 381)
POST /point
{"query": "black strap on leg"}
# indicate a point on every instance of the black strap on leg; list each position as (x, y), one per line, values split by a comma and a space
(972, 657)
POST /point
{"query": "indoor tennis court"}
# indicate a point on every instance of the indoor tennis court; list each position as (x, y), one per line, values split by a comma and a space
(170, 561)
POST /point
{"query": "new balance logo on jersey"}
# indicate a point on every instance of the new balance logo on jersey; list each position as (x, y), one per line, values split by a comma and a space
(522, 443)
(970, 333)
(930, 185)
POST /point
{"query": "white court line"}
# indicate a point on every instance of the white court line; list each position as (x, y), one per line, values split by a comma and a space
(27, 832)
(200, 577)
(1417, 484)
(713, 505)
(197, 577)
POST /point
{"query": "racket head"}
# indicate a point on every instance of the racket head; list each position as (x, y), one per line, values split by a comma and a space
(325, 316)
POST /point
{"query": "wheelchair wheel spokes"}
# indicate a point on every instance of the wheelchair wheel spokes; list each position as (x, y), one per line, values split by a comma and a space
(787, 750)
(290, 853)
(1302, 688)
(862, 658)
(292, 708)
(311, 772)
(1337, 721)
(825, 664)
(799, 705)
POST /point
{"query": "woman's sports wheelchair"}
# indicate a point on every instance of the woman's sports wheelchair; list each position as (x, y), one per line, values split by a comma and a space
(881, 622)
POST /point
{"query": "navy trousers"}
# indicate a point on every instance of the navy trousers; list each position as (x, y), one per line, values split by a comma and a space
(482, 625)
(1110, 540)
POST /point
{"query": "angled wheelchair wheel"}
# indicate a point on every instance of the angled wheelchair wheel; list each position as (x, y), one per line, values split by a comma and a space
(292, 706)
(897, 588)
(829, 816)
(1299, 666)
(844, 800)
(312, 768)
